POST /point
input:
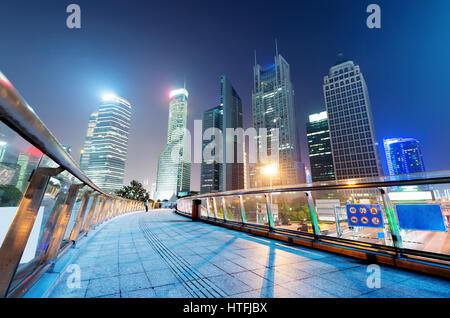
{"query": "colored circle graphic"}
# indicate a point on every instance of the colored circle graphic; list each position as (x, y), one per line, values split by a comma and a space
(363, 210)
(354, 219)
(375, 221)
(364, 220)
(352, 210)
(374, 210)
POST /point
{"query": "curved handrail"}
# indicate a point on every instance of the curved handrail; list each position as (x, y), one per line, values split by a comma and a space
(16, 113)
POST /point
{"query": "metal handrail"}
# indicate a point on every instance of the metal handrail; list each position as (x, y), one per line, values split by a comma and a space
(332, 185)
(18, 115)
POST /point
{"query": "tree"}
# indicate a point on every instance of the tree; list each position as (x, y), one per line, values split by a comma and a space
(134, 191)
(9, 195)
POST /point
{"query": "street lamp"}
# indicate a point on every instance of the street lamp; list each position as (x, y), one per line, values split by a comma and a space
(270, 170)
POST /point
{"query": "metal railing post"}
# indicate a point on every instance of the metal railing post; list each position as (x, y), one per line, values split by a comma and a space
(19, 231)
(61, 223)
(392, 221)
(269, 211)
(313, 214)
(77, 226)
(241, 200)
(214, 207)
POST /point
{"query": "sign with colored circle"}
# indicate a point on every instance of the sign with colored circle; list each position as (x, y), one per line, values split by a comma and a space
(367, 215)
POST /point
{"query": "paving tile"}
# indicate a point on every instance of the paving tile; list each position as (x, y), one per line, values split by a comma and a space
(133, 282)
(103, 286)
(162, 277)
(229, 285)
(172, 291)
(130, 268)
(141, 293)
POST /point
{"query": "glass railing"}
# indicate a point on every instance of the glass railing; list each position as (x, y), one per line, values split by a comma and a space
(404, 215)
(46, 200)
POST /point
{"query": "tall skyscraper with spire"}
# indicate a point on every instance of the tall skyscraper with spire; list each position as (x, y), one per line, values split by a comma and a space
(174, 168)
(273, 108)
(105, 149)
(224, 176)
(353, 145)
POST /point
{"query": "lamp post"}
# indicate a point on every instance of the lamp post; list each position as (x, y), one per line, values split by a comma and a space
(270, 170)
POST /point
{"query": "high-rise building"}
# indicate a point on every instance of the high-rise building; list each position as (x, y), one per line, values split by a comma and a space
(174, 167)
(85, 152)
(354, 150)
(226, 175)
(320, 157)
(210, 169)
(403, 155)
(273, 108)
(27, 162)
(105, 149)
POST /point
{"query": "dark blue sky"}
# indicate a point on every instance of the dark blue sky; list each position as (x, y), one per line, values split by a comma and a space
(142, 49)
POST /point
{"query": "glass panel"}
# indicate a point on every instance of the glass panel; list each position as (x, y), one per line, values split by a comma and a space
(18, 159)
(332, 204)
(210, 206)
(91, 200)
(425, 216)
(51, 205)
(290, 211)
(204, 208)
(74, 214)
(255, 206)
(219, 207)
(233, 208)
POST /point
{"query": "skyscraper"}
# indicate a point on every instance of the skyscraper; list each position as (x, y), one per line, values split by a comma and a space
(210, 169)
(105, 149)
(320, 157)
(174, 168)
(224, 176)
(273, 108)
(84, 155)
(403, 155)
(353, 145)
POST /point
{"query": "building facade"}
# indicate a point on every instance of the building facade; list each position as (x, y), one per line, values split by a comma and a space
(273, 108)
(105, 149)
(227, 174)
(403, 155)
(174, 168)
(354, 150)
(320, 157)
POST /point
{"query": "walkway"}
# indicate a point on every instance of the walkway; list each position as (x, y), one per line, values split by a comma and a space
(162, 254)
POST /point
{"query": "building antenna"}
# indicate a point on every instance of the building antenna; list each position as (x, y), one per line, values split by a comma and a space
(276, 46)
(255, 59)
(184, 85)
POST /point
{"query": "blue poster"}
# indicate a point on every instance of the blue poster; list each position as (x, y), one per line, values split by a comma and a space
(368, 215)
(422, 217)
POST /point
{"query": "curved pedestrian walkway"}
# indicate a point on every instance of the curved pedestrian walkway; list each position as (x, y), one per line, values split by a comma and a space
(162, 254)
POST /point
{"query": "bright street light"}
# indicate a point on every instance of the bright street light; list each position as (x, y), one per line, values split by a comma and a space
(270, 169)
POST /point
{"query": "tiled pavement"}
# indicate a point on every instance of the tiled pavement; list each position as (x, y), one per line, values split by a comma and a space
(161, 254)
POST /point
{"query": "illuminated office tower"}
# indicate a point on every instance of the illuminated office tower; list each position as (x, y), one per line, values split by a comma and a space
(226, 175)
(104, 155)
(85, 152)
(403, 155)
(353, 145)
(174, 168)
(320, 157)
(210, 169)
(273, 107)
(27, 162)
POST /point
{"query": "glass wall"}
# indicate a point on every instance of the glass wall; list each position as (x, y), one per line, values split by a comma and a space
(290, 211)
(233, 208)
(423, 216)
(255, 207)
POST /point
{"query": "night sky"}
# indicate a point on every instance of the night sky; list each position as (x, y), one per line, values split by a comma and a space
(140, 50)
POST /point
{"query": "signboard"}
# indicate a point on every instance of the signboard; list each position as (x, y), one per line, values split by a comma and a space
(422, 217)
(368, 215)
(325, 209)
